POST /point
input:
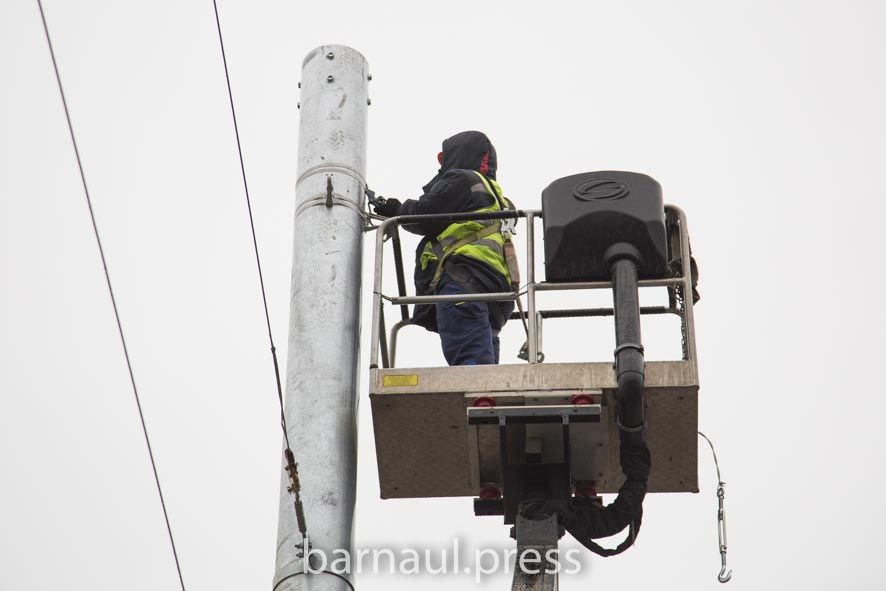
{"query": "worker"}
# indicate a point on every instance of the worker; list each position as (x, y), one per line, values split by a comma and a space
(462, 257)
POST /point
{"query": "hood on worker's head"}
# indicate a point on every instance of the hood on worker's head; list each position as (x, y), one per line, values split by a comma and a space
(468, 150)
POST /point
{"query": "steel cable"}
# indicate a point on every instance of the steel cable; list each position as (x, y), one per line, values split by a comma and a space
(101, 251)
(261, 279)
(291, 466)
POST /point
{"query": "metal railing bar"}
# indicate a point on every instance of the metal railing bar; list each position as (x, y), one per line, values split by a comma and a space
(532, 322)
(502, 296)
(389, 228)
(458, 217)
(575, 285)
(591, 312)
(392, 346)
(688, 304)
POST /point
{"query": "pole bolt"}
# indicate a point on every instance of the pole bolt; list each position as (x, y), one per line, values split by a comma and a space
(369, 77)
(299, 84)
(330, 55)
(369, 101)
(330, 78)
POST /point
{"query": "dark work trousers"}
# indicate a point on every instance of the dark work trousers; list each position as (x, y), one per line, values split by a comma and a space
(465, 330)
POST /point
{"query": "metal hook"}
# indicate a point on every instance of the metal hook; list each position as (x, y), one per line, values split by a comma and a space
(725, 575)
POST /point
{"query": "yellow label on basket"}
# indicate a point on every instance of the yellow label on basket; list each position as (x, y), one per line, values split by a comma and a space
(400, 380)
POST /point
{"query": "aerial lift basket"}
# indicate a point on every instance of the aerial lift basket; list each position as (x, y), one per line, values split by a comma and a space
(453, 431)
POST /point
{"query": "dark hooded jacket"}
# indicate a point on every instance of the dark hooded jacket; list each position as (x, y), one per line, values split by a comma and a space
(450, 192)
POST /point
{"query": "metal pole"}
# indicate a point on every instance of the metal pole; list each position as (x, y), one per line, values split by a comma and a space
(324, 324)
(537, 539)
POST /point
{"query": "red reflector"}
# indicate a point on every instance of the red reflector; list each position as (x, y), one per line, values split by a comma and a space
(490, 491)
(585, 488)
(484, 401)
(581, 399)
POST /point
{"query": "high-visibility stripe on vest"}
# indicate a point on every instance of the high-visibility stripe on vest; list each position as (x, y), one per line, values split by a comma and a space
(481, 240)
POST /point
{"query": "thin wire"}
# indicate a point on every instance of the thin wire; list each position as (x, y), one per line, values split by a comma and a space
(261, 278)
(716, 463)
(101, 251)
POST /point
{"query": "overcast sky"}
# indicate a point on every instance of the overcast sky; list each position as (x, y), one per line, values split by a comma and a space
(764, 121)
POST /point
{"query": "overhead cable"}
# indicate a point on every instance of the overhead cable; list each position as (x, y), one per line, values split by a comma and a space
(101, 251)
(291, 466)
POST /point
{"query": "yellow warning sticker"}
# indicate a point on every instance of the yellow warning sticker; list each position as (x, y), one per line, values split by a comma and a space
(400, 380)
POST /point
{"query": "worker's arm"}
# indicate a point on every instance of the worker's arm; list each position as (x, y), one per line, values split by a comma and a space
(451, 193)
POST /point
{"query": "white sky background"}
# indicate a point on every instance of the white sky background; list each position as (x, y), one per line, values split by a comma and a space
(764, 121)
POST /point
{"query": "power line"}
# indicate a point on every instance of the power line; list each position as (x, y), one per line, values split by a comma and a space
(101, 251)
(261, 278)
(291, 466)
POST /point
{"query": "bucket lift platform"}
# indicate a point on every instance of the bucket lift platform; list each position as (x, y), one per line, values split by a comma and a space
(427, 448)
(450, 431)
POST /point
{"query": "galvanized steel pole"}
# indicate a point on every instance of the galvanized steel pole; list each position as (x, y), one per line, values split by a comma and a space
(324, 324)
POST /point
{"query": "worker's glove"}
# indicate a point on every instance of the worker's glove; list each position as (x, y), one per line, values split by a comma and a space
(388, 208)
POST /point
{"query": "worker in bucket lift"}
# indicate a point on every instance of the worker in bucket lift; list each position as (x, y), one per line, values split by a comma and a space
(461, 257)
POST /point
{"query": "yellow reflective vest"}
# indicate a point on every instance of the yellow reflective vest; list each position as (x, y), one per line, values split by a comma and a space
(481, 240)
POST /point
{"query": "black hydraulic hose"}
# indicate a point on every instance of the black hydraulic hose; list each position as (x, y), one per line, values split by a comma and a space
(590, 520)
(629, 363)
(587, 521)
(383, 339)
